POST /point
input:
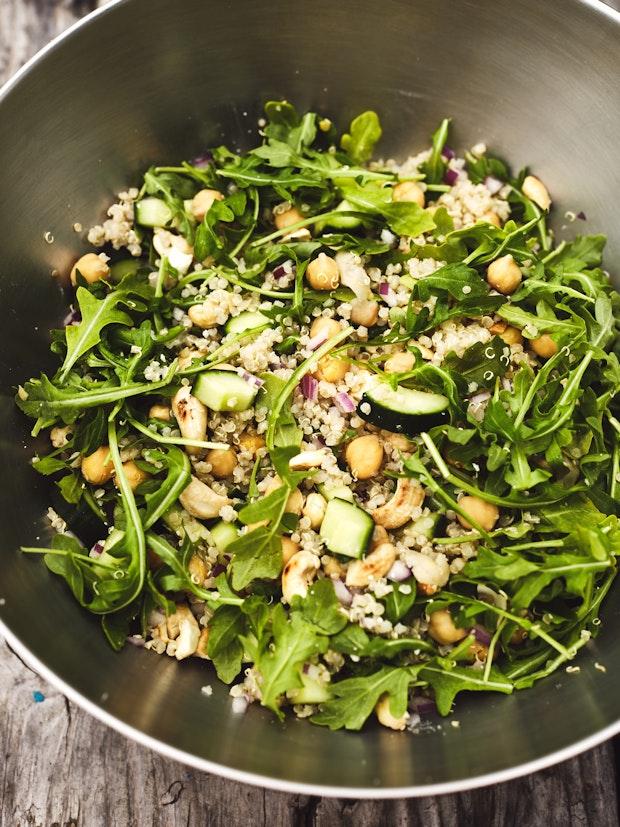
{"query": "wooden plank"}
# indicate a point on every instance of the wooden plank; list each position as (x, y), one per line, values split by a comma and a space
(62, 767)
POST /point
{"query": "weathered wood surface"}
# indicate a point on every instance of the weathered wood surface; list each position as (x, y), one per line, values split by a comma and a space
(60, 767)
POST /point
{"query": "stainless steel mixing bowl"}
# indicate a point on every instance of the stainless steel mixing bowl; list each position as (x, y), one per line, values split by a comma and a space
(153, 80)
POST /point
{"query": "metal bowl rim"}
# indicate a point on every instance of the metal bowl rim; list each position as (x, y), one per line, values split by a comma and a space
(241, 776)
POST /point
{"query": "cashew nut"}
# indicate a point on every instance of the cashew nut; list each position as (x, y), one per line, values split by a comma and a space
(385, 717)
(187, 630)
(534, 189)
(397, 511)
(191, 415)
(372, 567)
(307, 459)
(201, 501)
(297, 575)
(60, 436)
(431, 571)
(379, 536)
(203, 642)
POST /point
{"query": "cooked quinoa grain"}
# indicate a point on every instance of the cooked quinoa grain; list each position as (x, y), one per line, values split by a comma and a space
(348, 430)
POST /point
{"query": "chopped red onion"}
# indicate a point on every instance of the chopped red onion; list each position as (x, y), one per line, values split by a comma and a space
(345, 403)
(342, 593)
(481, 635)
(582, 215)
(282, 270)
(317, 341)
(96, 550)
(493, 184)
(217, 569)
(399, 572)
(423, 705)
(309, 387)
(450, 177)
(73, 317)
(448, 153)
(250, 379)
(202, 161)
(384, 288)
(136, 640)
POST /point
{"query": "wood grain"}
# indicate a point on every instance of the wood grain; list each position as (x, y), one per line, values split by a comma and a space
(59, 767)
(62, 767)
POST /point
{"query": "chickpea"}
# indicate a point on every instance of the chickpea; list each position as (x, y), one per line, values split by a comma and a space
(331, 369)
(333, 568)
(134, 475)
(442, 629)
(364, 456)
(223, 462)
(544, 346)
(314, 509)
(324, 326)
(534, 189)
(323, 273)
(400, 362)
(504, 275)
(203, 201)
(365, 313)
(478, 652)
(162, 412)
(295, 503)
(284, 219)
(204, 315)
(508, 334)
(198, 569)
(92, 268)
(484, 513)
(251, 443)
(409, 191)
(491, 217)
(288, 549)
(98, 468)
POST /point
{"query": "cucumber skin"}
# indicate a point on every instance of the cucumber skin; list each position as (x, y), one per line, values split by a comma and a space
(206, 399)
(369, 530)
(399, 423)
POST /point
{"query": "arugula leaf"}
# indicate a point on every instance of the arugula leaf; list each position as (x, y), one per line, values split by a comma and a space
(364, 132)
(321, 609)
(223, 645)
(435, 167)
(447, 684)
(403, 217)
(294, 642)
(355, 698)
(398, 603)
(482, 363)
(96, 314)
(257, 554)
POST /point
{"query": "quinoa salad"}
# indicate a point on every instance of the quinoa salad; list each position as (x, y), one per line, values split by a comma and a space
(347, 429)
